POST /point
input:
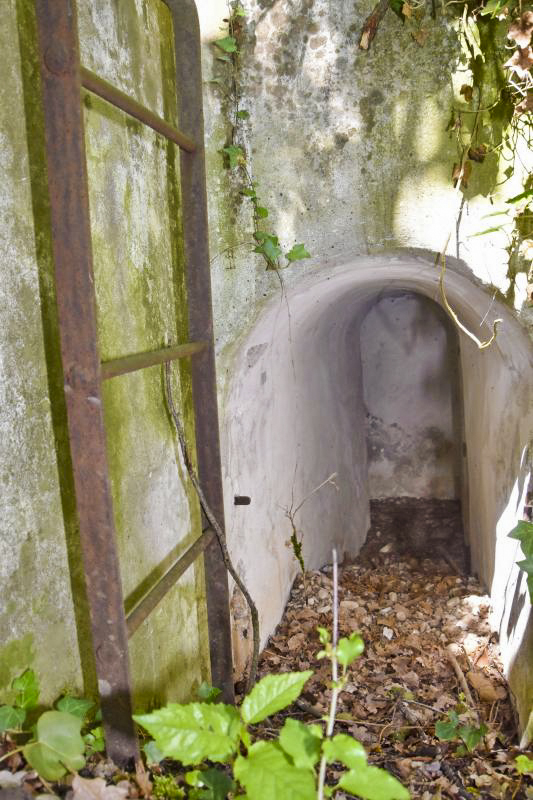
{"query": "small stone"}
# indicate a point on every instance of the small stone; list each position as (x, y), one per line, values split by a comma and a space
(393, 597)
(323, 594)
(388, 633)
(401, 616)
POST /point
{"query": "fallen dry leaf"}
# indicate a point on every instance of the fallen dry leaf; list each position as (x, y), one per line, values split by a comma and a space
(95, 789)
(521, 61)
(487, 691)
(521, 29)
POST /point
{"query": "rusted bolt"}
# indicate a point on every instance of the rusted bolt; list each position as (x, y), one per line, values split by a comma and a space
(58, 59)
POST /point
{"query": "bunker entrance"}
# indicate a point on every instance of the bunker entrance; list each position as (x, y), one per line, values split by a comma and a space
(413, 425)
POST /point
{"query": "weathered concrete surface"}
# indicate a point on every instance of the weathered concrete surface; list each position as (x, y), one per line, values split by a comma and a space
(410, 358)
(138, 266)
(295, 414)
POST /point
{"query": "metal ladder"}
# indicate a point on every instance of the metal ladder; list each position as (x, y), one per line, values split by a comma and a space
(62, 79)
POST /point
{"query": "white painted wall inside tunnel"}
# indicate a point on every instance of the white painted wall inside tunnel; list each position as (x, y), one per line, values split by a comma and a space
(408, 380)
(294, 413)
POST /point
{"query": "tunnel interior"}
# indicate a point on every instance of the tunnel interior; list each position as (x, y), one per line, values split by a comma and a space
(358, 373)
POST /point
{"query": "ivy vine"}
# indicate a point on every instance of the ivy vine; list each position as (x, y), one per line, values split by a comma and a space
(235, 152)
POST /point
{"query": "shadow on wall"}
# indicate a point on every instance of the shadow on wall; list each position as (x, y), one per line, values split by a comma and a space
(295, 413)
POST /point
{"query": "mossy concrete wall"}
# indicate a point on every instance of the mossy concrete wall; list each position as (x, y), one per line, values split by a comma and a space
(141, 305)
(353, 155)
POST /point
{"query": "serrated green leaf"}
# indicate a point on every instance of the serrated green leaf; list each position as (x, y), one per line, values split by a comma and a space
(269, 246)
(523, 531)
(243, 114)
(261, 212)
(524, 764)
(271, 694)
(228, 44)
(77, 706)
(207, 693)
(349, 649)
(11, 719)
(27, 689)
(297, 253)
(471, 736)
(191, 733)
(301, 742)
(58, 748)
(153, 753)
(267, 774)
(373, 783)
(345, 749)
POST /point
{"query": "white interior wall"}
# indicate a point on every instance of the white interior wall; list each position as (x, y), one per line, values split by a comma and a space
(408, 385)
(294, 414)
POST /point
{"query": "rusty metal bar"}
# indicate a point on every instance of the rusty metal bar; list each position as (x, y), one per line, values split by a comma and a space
(121, 366)
(108, 92)
(195, 228)
(71, 241)
(147, 604)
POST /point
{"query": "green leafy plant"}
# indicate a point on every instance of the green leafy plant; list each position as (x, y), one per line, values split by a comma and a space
(55, 745)
(524, 765)
(453, 728)
(294, 765)
(524, 533)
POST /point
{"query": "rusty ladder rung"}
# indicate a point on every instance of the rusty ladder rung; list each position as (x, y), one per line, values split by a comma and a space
(153, 597)
(97, 85)
(121, 366)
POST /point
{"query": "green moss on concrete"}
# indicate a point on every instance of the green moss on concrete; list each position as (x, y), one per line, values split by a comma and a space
(15, 657)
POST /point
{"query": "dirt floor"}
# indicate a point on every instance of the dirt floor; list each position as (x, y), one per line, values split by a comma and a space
(429, 650)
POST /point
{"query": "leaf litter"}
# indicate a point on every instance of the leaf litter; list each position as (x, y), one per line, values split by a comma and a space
(427, 638)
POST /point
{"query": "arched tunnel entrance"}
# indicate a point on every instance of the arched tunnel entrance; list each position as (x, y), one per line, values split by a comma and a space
(357, 371)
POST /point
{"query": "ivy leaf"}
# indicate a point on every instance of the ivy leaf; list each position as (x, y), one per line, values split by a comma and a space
(217, 782)
(235, 155)
(261, 212)
(27, 688)
(298, 252)
(95, 740)
(524, 533)
(345, 749)
(446, 731)
(301, 742)
(249, 192)
(269, 246)
(58, 747)
(349, 649)
(267, 774)
(191, 733)
(77, 706)
(228, 44)
(239, 11)
(397, 7)
(207, 693)
(11, 718)
(243, 114)
(471, 736)
(271, 694)
(373, 783)
(524, 764)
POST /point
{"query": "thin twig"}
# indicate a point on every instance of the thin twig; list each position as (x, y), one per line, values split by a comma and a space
(462, 680)
(335, 674)
(214, 524)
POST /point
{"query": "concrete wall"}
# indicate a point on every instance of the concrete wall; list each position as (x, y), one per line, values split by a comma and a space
(138, 266)
(410, 358)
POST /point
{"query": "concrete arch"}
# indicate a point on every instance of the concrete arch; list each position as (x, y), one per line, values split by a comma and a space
(294, 414)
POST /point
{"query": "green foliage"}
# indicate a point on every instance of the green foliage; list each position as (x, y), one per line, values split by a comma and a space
(58, 746)
(191, 733)
(94, 740)
(207, 693)
(11, 718)
(235, 156)
(524, 533)
(524, 765)
(27, 688)
(77, 706)
(165, 786)
(452, 728)
(266, 770)
(273, 693)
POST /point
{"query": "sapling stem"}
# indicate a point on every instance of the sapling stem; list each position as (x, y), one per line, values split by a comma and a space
(335, 674)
